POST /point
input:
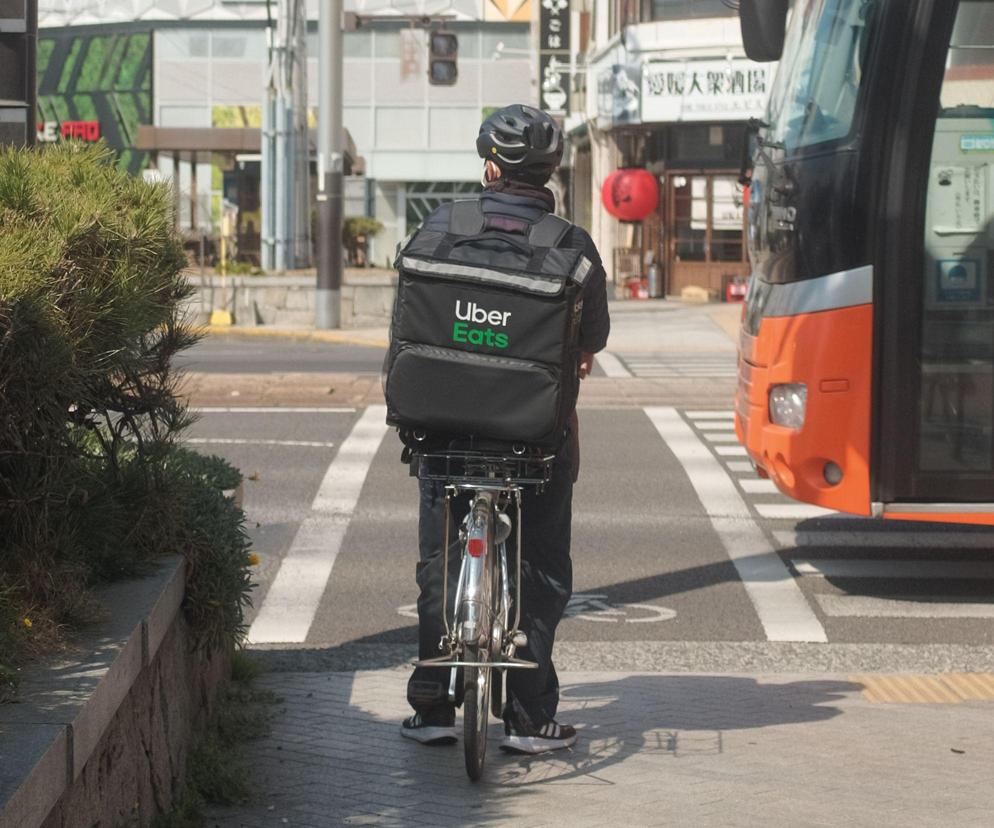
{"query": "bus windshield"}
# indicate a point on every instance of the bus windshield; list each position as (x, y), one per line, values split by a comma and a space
(814, 96)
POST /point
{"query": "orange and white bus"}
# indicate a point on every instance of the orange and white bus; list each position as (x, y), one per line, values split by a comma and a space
(866, 361)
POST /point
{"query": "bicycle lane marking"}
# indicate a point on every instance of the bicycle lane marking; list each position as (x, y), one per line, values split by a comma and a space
(782, 609)
(292, 601)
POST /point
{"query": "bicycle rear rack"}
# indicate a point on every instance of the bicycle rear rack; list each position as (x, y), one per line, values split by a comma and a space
(447, 661)
(468, 469)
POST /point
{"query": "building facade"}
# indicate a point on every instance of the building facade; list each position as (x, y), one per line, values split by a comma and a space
(196, 71)
(667, 87)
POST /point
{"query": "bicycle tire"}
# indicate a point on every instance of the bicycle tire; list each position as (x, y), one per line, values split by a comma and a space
(476, 709)
(477, 681)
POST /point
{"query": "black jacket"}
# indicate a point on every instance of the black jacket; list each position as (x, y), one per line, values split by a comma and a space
(595, 324)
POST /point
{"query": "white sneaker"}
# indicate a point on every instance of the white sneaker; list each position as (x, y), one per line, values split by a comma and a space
(519, 738)
(416, 728)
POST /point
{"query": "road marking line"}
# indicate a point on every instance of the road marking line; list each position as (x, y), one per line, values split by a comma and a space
(792, 511)
(907, 540)
(232, 441)
(865, 606)
(710, 415)
(775, 595)
(292, 601)
(271, 409)
(715, 426)
(892, 569)
(712, 437)
(758, 486)
(611, 365)
(740, 466)
(731, 451)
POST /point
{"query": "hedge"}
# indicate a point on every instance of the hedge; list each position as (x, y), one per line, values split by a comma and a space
(94, 483)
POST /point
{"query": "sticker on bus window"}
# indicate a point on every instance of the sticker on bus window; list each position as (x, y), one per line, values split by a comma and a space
(959, 280)
(976, 143)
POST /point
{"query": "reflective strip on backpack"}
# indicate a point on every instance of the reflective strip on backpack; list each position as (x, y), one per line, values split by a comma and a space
(485, 274)
(482, 274)
(582, 270)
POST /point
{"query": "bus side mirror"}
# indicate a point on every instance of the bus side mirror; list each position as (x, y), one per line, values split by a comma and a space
(763, 24)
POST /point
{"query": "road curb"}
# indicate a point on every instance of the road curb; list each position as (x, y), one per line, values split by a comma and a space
(331, 337)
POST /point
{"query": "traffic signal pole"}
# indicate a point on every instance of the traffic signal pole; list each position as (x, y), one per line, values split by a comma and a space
(330, 167)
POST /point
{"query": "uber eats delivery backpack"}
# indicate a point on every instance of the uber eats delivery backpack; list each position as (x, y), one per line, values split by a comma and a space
(484, 338)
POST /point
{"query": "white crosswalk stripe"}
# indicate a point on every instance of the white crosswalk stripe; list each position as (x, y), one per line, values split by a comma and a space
(779, 603)
(927, 602)
(676, 365)
(289, 607)
(891, 568)
(611, 365)
(758, 486)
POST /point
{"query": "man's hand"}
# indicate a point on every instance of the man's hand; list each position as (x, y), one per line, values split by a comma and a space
(586, 364)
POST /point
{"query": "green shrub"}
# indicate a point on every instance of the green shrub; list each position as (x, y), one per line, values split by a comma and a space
(356, 232)
(92, 483)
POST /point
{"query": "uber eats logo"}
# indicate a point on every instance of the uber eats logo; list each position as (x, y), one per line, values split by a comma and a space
(471, 313)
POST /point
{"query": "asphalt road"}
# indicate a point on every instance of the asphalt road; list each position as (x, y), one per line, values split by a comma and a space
(679, 563)
(232, 354)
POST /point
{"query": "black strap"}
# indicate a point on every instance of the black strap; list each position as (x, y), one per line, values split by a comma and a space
(466, 217)
(548, 231)
(545, 234)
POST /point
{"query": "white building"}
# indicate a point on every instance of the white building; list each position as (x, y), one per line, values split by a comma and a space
(195, 70)
(667, 88)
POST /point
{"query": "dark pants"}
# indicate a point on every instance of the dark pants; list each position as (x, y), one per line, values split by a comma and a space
(546, 586)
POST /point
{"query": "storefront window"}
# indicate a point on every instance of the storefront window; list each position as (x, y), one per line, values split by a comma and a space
(683, 9)
(424, 196)
(690, 213)
(727, 217)
(182, 43)
(248, 45)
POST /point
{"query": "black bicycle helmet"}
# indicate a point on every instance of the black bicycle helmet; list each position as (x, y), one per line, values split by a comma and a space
(523, 141)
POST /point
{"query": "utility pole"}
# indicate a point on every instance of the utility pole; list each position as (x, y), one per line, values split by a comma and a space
(285, 149)
(330, 166)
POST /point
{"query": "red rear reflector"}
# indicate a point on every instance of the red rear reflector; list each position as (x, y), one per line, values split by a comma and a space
(475, 547)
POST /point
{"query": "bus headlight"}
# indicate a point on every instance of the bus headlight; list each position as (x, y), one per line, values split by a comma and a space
(788, 404)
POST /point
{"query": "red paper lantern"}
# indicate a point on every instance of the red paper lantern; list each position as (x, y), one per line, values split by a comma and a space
(630, 194)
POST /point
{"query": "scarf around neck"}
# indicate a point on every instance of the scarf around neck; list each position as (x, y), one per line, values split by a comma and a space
(523, 188)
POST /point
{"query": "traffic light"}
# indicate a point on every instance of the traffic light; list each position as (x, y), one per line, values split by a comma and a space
(443, 48)
(18, 39)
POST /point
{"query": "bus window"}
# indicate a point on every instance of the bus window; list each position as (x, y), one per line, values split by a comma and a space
(814, 98)
(957, 358)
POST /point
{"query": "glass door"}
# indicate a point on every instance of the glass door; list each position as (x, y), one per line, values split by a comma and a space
(955, 451)
(706, 230)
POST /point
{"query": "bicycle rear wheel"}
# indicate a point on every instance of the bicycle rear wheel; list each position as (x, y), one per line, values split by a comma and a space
(476, 710)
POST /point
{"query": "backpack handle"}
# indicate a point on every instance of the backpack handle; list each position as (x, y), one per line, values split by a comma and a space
(520, 245)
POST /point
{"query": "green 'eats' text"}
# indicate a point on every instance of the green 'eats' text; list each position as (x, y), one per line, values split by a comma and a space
(461, 332)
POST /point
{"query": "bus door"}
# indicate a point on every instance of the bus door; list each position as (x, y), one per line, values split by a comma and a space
(938, 445)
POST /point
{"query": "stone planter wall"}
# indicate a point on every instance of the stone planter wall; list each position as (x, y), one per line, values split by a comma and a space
(103, 739)
(288, 301)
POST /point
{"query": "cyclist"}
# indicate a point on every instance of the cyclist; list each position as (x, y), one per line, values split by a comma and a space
(522, 147)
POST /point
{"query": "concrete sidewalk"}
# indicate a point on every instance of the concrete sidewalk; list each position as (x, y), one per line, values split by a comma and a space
(636, 325)
(654, 749)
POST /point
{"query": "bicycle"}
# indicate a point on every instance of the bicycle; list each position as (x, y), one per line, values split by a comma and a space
(479, 637)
